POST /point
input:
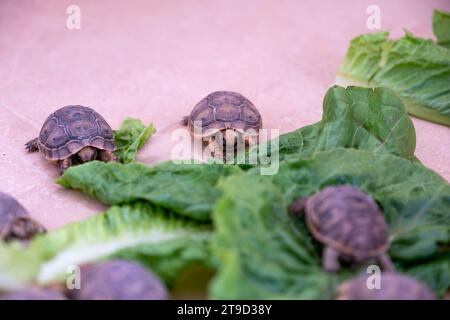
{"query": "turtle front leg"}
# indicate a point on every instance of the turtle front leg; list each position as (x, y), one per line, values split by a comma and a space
(250, 141)
(32, 145)
(24, 228)
(331, 260)
(64, 165)
(108, 156)
(211, 145)
(386, 262)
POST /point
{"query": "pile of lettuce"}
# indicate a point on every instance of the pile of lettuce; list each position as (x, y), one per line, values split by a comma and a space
(235, 220)
(416, 69)
(131, 137)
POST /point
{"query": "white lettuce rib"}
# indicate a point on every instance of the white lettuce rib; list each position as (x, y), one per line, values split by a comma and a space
(84, 253)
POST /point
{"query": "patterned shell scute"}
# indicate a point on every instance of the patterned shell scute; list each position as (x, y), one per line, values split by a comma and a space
(224, 110)
(70, 129)
(348, 220)
(118, 280)
(10, 209)
(394, 286)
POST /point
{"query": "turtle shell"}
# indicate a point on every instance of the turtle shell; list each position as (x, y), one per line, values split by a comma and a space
(15, 222)
(34, 294)
(393, 286)
(224, 110)
(70, 129)
(118, 280)
(348, 220)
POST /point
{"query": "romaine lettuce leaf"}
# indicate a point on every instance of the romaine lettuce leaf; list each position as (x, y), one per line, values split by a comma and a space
(279, 259)
(418, 70)
(263, 256)
(131, 137)
(185, 189)
(360, 118)
(165, 243)
(441, 27)
(18, 266)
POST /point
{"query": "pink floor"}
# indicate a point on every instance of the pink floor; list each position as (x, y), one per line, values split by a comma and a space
(155, 59)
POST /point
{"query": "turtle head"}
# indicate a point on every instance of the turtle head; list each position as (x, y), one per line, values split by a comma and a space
(87, 154)
(230, 137)
(298, 206)
(229, 141)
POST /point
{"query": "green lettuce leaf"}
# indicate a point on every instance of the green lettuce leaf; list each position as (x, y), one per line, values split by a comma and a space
(418, 70)
(360, 118)
(281, 260)
(165, 243)
(185, 189)
(263, 256)
(131, 137)
(18, 266)
(441, 27)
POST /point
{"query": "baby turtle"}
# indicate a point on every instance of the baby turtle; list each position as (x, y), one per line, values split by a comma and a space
(34, 294)
(224, 120)
(74, 134)
(118, 280)
(349, 223)
(393, 286)
(15, 222)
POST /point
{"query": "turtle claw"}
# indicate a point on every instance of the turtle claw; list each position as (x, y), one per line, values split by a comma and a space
(32, 145)
(24, 228)
(64, 165)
